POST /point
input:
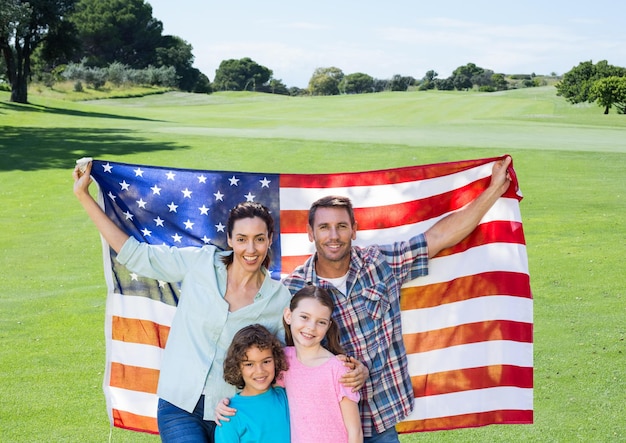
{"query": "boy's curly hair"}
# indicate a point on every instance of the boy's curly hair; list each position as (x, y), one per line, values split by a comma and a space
(247, 337)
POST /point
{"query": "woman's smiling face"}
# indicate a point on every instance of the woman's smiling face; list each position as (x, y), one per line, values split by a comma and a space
(250, 243)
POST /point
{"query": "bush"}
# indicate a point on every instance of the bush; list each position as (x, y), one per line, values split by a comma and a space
(47, 79)
(119, 74)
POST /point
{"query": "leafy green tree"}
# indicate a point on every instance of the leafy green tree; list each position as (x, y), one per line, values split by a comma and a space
(276, 86)
(483, 78)
(60, 46)
(176, 52)
(464, 77)
(121, 31)
(325, 81)
(444, 84)
(357, 83)
(576, 84)
(241, 75)
(428, 82)
(610, 91)
(462, 82)
(3, 73)
(124, 31)
(294, 91)
(24, 26)
(400, 83)
(380, 84)
(499, 82)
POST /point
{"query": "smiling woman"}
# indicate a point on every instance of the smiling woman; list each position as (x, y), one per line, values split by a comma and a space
(220, 293)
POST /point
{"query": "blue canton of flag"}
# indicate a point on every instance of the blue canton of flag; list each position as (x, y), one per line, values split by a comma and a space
(182, 207)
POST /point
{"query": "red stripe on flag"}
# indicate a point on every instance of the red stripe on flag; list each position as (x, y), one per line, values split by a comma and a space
(134, 378)
(379, 177)
(485, 233)
(390, 216)
(467, 421)
(145, 332)
(289, 263)
(134, 422)
(447, 382)
(499, 231)
(468, 333)
(466, 288)
(293, 222)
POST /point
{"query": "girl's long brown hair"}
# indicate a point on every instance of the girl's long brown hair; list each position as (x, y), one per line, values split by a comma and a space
(322, 295)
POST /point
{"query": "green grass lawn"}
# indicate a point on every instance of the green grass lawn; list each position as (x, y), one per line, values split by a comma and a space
(570, 161)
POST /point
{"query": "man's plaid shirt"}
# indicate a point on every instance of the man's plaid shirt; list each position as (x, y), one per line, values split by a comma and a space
(370, 323)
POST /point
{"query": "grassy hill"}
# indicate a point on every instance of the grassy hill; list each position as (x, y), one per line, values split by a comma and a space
(570, 161)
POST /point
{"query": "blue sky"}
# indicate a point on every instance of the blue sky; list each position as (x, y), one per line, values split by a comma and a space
(387, 37)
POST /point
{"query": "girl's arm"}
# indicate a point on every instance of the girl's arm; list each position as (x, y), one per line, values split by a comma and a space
(352, 420)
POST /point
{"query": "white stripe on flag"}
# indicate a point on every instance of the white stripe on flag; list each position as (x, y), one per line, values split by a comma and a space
(472, 402)
(135, 402)
(501, 257)
(474, 355)
(382, 195)
(141, 308)
(480, 309)
(299, 244)
(135, 354)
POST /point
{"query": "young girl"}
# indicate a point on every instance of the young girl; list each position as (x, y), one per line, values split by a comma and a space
(255, 359)
(320, 407)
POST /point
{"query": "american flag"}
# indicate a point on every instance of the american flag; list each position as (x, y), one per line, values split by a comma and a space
(468, 325)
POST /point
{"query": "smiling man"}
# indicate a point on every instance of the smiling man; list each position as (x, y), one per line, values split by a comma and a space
(365, 284)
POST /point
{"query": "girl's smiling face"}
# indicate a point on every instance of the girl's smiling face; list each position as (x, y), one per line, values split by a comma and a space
(308, 322)
(257, 370)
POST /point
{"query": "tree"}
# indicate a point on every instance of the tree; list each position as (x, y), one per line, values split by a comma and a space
(462, 82)
(499, 82)
(202, 84)
(463, 77)
(400, 83)
(276, 86)
(380, 84)
(357, 83)
(24, 26)
(121, 31)
(444, 84)
(428, 82)
(176, 52)
(241, 75)
(124, 31)
(576, 84)
(483, 78)
(325, 81)
(610, 91)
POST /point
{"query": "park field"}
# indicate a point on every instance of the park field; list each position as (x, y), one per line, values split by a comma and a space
(570, 161)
